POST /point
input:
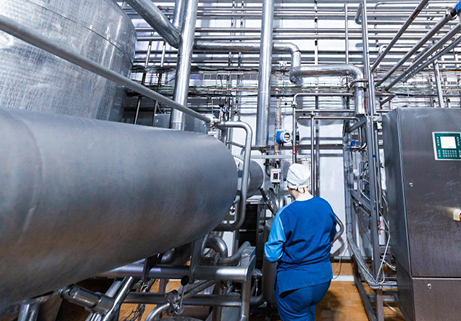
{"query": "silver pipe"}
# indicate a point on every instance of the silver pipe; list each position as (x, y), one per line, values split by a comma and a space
(81, 192)
(156, 272)
(191, 292)
(198, 300)
(394, 40)
(235, 258)
(448, 16)
(335, 70)
(38, 40)
(123, 291)
(313, 180)
(178, 14)
(424, 55)
(157, 20)
(264, 78)
(346, 32)
(438, 83)
(245, 307)
(241, 211)
(366, 61)
(218, 245)
(29, 311)
(181, 86)
(435, 57)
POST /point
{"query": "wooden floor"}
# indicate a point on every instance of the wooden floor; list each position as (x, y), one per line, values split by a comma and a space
(341, 303)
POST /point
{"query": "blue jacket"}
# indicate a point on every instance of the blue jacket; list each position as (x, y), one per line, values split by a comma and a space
(300, 241)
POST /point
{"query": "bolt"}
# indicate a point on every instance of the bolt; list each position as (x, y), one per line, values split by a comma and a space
(411, 184)
(429, 286)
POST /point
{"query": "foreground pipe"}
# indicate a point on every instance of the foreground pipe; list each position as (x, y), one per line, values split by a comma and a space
(264, 77)
(157, 20)
(86, 196)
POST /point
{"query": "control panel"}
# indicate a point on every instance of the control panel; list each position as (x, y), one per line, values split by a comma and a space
(447, 146)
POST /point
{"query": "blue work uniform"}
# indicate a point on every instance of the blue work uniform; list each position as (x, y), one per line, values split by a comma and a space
(300, 241)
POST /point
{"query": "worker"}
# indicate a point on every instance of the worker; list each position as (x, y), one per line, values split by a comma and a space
(300, 241)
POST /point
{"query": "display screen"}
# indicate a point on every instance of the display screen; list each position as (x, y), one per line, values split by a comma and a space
(448, 142)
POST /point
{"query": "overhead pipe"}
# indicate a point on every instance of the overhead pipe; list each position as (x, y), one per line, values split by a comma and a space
(438, 84)
(434, 58)
(424, 55)
(264, 77)
(157, 20)
(448, 17)
(181, 87)
(34, 38)
(394, 40)
(178, 14)
(86, 196)
(336, 70)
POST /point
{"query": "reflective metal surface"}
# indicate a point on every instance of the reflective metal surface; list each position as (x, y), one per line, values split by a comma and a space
(33, 79)
(422, 194)
(86, 196)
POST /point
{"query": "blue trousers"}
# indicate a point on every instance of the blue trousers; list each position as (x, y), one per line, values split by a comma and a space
(300, 304)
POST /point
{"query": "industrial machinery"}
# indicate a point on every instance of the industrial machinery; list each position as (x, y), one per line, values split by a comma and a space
(97, 208)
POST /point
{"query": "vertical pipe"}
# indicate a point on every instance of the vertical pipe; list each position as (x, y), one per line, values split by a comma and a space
(245, 309)
(178, 14)
(346, 32)
(264, 79)
(143, 81)
(366, 60)
(438, 83)
(313, 180)
(181, 88)
(295, 152)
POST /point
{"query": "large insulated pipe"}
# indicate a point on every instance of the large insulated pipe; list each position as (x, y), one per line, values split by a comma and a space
(157, 20)
(181, 86)
(82, 196)
(264, 77)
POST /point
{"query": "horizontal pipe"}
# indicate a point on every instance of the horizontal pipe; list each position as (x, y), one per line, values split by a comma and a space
(157, 20)
(38, 40)
(197, 300)
(86, 196)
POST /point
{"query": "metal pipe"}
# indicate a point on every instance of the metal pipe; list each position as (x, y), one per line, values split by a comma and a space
(123, 291)
(189, 293)
(181, 85)
(394, 40)
(105, 178)
(218, 245)
(448, 16)
(157, 272)
(313, 180)
(30, 36)
(335, 70)
(29, 311)
(264, 77)
(434, 58)
(157, 20)
(230, 300)
(366, 62)
(438, 83)
(235, 258)
(178, 14)
(245, 305)
(424, 55)
(241, 210)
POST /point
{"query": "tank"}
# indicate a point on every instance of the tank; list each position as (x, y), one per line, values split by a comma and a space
(33, 79)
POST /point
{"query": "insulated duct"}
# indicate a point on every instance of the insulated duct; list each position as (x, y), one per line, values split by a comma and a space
(84, 196)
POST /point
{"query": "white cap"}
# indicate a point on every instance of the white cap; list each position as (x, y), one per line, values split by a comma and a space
(298, 176)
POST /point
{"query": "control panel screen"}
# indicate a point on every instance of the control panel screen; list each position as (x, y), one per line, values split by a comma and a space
(447, 146)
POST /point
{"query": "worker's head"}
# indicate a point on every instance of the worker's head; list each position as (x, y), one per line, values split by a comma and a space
(298, 179)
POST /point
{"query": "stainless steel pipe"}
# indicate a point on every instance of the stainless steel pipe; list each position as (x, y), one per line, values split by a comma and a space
(181, 84)
(264, 77)
(157, 20)
(86, 196)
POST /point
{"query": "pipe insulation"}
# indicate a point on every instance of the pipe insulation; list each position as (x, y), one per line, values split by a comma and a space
(83, 196)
